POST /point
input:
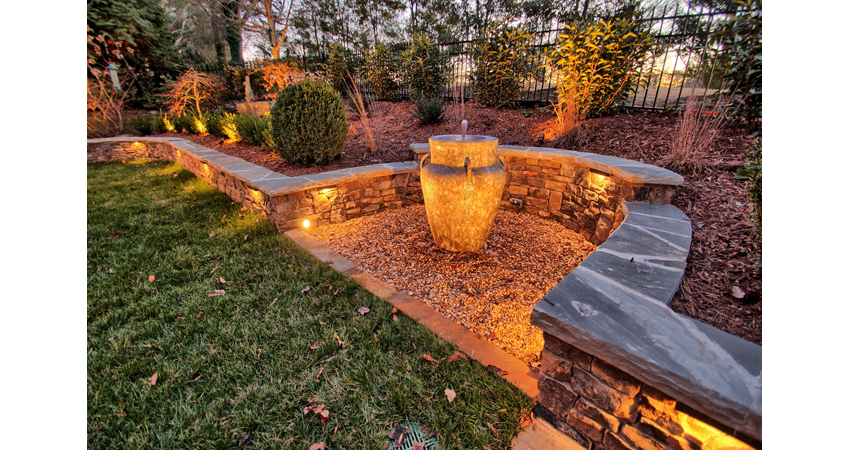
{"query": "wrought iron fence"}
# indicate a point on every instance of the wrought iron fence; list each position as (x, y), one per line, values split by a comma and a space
(687, 65)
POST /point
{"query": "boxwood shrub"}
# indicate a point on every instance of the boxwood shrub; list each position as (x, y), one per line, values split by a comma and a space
(308, 123)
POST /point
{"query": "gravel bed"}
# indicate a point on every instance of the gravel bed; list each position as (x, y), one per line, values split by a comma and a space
(491, 292)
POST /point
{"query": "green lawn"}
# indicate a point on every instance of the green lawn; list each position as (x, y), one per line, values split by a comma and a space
(251, 360)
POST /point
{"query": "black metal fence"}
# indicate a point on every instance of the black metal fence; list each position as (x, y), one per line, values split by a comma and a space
(687, 66)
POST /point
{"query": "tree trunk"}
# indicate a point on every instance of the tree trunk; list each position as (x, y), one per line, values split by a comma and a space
(233, 30)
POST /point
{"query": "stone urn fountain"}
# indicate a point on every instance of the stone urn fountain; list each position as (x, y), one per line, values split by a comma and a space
(462, 186)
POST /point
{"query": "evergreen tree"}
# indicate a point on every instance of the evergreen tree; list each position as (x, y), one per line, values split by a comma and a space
(133, 35)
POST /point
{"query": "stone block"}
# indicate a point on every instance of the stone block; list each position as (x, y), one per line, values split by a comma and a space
(573, 190)
(586, 426)
(519, 180)
(568, 171)
(608, 398)
(531, 162)
(590, 195)
(599, 415)
(615, 442)
(543, 213)
(370, 208)
(518, 190)
(657, 432)
(338, 215)
(530, 173)
(556, 396)
(640, 440)
(566, 351)
(555, 201)
(550, 170)
(535, 182)
(387, 192)
(555, 186)
(381, 185)
(539, 193)
(549, 163)
(582, 177)
(401, 180)
(615, 377)
(538, 203)
(603, 229)
(393, 205)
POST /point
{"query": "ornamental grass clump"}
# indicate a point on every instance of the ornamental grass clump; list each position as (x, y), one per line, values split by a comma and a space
(692, 139)
(308, 123)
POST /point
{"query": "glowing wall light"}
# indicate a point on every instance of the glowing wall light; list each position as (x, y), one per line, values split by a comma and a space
(306, 223)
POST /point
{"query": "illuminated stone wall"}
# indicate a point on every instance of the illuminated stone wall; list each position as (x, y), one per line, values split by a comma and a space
(583, 191)
(594, 402)
(329, 197)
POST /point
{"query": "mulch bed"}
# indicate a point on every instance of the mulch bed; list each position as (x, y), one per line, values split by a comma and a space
(491, 291)
(716, 203)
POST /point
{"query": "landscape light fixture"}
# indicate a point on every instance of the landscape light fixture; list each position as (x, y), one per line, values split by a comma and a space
(113, 73)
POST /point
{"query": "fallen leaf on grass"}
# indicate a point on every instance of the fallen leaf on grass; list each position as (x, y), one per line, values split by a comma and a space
(318, 446)
(151, 278)
(737, 292)
(456, 356)
(496, 370)
(305, 289)
(417, 446)
(216, 293)
(319, 374)
(314, 346)
(221, 280)
(338, 339)
(363, 310)
(395, 310)
(275, 299)
(429, 358)
(199, 315)
(395, 318)
(245, 238)
(152, 379)
(194, 380)
(399, 436)
(244, 438)
(496, 433)
(216, 267)
(212, 234)
(450, 395)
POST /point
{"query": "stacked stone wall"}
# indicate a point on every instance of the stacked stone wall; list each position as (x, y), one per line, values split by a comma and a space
(585, 201)
(334, 203)
(602, 407)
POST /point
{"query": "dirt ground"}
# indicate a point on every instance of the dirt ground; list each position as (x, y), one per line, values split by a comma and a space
(716, 203)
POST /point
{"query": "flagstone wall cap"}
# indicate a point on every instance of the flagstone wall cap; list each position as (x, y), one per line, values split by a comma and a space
(614, 306)
(631, 171)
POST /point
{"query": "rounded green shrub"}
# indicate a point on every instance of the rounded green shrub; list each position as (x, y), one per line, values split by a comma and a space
(308, 123)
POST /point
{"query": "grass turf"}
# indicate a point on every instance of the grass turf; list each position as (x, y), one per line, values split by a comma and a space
(244, 365)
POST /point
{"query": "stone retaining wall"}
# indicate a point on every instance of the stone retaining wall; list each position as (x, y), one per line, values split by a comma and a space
(595, 403)
(583, 191)
(329, 197)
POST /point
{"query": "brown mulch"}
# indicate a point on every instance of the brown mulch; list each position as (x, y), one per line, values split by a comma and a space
(716, 203)
(491, 291)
